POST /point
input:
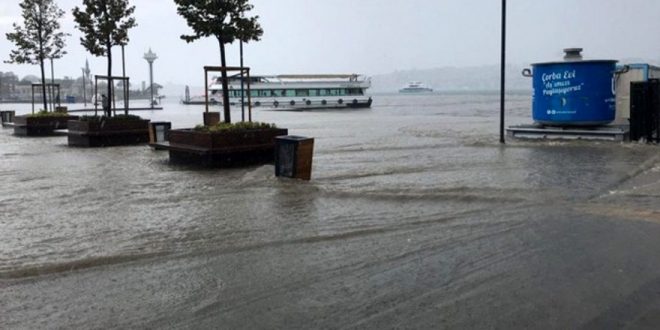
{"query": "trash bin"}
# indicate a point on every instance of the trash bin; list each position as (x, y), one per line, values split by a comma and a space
(645, 110)
(159, 131)
(293, 156)
(7, 116)
(211, 118)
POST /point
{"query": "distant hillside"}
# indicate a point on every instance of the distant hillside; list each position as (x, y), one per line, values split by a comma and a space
(465, 78)
(453, 79)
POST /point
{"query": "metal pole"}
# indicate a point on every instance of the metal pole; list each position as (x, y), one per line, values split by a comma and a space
(242, 86)
(52, 81)
(126, 95)
(249, 97)
(206, 89)
(502, 73)
(123, 73)
(123, 62)
(96, 92)
(151, 82)
(84, 88)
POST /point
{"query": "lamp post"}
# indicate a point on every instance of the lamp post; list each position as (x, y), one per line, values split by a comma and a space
(502, 73)
(151, 57)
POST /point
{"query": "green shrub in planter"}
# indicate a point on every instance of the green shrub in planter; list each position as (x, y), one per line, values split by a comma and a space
(44, 113)
(233, 127)
(110, 119)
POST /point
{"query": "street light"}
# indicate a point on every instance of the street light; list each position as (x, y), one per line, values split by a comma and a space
(151, 57)
(502, 72)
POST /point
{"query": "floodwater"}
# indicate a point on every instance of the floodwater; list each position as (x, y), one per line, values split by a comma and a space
(416, 217)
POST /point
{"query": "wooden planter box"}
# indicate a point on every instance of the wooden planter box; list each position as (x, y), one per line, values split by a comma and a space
(40, 126)
(108, 133)
(223, 149)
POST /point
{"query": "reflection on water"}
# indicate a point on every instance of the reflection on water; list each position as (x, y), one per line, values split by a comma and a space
(415, 216)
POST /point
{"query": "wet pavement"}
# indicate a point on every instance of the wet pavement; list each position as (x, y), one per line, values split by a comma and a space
(415, 218)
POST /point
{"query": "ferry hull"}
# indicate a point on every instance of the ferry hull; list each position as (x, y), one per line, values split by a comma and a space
(304, 104)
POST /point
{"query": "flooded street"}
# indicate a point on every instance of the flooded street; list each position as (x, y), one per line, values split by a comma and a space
(416, 217)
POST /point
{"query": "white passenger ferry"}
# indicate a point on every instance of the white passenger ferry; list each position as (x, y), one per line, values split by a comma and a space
(416, 87)
(298, 92)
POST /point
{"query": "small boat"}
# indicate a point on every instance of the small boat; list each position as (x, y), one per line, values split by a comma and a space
(416, 87)
(297, 92)
(199, 100)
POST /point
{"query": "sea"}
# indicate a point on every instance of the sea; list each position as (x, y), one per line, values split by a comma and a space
(416, 217)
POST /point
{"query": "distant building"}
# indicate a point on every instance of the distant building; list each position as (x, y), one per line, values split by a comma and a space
(8, 81)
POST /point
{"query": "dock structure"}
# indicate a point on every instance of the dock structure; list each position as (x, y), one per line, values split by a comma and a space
(129, 109)
(618, 133)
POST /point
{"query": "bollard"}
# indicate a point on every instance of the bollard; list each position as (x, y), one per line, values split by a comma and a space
(211, 118)
(159, 131)
(293, 157)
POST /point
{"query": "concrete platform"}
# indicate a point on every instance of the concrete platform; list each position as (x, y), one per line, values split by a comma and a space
(617, 133)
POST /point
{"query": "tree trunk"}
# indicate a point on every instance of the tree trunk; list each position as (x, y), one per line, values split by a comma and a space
(225, 84)
(110, 82)
(41, 64)
(43, 82)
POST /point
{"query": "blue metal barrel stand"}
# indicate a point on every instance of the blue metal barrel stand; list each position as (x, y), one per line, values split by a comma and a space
(574, 92)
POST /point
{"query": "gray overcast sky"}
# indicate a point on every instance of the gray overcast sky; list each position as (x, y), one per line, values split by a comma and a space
(370, 36)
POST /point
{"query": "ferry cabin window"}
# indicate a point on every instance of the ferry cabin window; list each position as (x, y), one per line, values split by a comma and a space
(302, 92)
(290, 92)
(278, 92)
(313, 92)
(265, 93)
(337, 91)
(355, 91)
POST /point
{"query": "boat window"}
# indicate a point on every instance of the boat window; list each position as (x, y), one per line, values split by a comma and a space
(254, 93)
(313, 92)
(355, 91)
(324, 92)
(337, 92)
(264, 93)
(290, 92)
(278, 92)
(302, 92)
